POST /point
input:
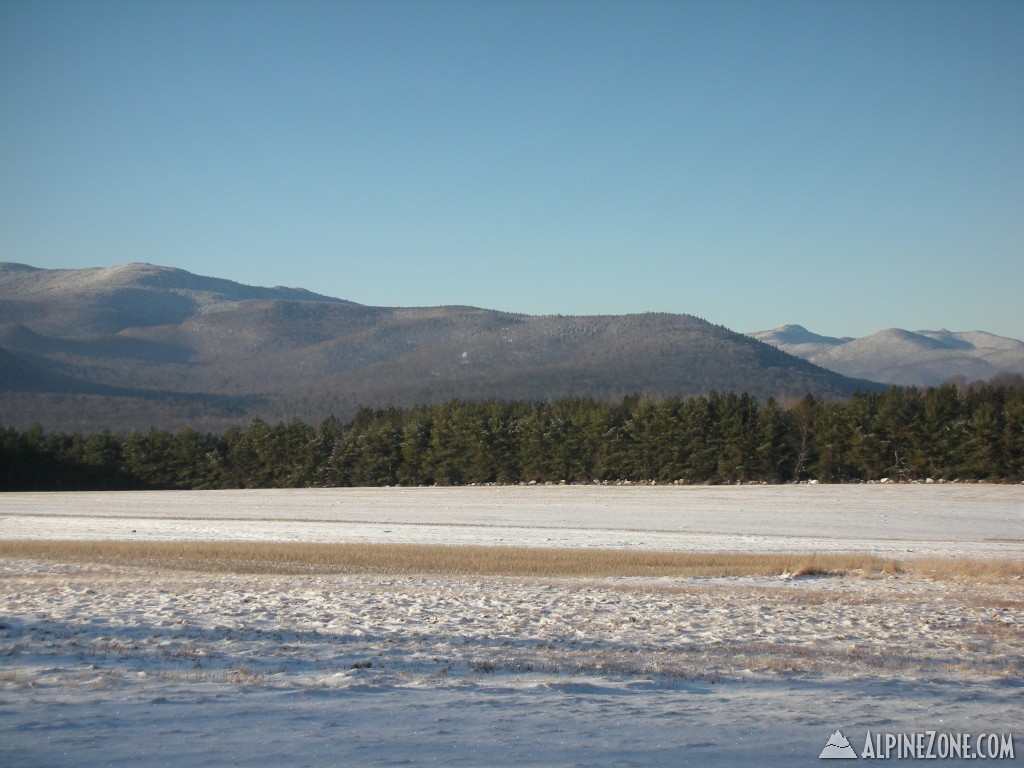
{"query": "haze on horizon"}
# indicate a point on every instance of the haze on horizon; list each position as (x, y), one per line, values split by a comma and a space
(847, 167)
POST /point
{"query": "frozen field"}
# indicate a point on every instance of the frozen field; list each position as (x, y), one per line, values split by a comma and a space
(973, 520)
(103, 665)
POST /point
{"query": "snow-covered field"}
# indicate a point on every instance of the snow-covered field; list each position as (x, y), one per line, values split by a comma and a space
(899, 520)
(104, 665)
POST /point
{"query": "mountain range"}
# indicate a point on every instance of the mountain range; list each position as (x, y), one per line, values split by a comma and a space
(905, 358)
(139, 345)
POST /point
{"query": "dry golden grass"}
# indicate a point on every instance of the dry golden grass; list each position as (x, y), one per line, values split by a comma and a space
(969, 569)
(289, 558)
(305, 558)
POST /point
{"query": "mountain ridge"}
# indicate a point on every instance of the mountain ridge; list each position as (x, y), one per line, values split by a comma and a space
(905, 358)
(141, 345)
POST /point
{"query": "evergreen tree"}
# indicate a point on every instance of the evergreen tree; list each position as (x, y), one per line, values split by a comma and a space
(803, 414)
(773, 451)
(898, 423)
(946, 432)
(833, 440)
(737, 438)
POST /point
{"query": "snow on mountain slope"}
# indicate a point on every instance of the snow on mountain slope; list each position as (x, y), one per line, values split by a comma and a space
(897, 356)
(108, 300)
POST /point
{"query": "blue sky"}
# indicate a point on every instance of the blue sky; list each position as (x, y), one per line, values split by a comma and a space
(850, 166)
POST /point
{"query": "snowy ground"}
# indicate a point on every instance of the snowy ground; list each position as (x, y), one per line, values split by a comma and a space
(120, 666)
(899, 520)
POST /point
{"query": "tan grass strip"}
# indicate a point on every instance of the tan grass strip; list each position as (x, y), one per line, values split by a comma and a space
(290, 558)
(298, 558)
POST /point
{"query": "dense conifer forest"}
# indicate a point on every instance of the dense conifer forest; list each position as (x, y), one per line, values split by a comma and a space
(946, 433)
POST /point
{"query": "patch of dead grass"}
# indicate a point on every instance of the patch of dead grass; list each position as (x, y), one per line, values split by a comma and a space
(969, 569)
(299, 558)
(289, 558)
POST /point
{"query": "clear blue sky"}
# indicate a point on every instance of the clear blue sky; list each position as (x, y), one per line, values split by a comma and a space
(850, 166)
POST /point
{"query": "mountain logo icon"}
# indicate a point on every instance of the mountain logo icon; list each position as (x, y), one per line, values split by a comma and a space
(838, 748)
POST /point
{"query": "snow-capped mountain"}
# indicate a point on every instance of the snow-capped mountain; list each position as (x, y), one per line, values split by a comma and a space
(908, 358)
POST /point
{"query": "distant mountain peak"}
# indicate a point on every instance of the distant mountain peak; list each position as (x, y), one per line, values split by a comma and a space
(795, 334)
(908, 358)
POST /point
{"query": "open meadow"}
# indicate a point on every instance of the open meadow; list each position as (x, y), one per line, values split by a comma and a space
(543, 625)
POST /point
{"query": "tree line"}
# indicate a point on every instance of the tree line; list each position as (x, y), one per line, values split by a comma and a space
(951, 432)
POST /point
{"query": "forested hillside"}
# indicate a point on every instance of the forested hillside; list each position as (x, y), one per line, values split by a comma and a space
(942, 433)
(137, 346)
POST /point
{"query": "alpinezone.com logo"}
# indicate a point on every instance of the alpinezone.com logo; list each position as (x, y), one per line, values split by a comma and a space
(922, 745)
